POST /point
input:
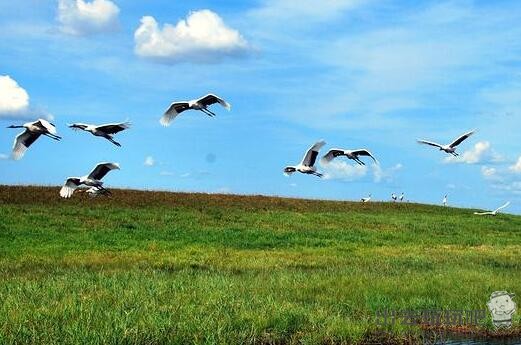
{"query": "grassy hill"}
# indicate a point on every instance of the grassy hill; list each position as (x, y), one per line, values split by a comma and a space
(154, 267)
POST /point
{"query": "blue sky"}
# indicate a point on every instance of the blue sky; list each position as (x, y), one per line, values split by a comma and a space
(356, 73)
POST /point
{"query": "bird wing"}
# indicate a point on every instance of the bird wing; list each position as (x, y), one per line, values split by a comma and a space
(22, 142)
(212, 99)
(113, 128)
(78, 126)
(502, 207)
(101, 170)
(483, 213)
(173, 110)
(47, 125)
(68, 188)
(311, 155)
(460, 139)
(331, 154)
(429, 143)
(364, 152)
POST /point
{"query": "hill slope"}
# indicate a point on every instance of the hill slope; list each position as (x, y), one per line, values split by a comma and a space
(154, 267)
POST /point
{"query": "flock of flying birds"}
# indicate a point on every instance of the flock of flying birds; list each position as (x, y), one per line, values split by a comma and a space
(33, 130)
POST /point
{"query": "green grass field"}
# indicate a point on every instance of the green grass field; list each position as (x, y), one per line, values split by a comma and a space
(155, 268)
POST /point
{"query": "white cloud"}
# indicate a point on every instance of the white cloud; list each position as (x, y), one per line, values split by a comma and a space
(3, 156)
(223, 190)
(342, 170)
(480, 153)
(338, 169)
(488, 172)
(149, 161)
(201, 37)
(80, 17)
(166, 173)
(516, 168)
(14, 100)
(385, 174)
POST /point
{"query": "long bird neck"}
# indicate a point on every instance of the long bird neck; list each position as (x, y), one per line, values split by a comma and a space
(16, 126)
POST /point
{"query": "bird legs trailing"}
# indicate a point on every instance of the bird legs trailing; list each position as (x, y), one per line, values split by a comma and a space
(207, 112)
(356, 159)
(53, 136)
(114, 142)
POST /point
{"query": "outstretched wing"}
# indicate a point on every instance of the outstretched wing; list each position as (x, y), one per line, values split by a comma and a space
(460, 139)
(113, 128)
(331, 154)
(431, 143)
(68, 188)
(502, 207)
(51, 128)
(483, 213)
(364, 152)
(78, 126)
(101, 170)
(212, 99)
(22, 142)
(173, 110)
(311, 155)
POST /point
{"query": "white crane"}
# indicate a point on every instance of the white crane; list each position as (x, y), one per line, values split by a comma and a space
(401, 197)
(366, 199)
(32, 132)
(394, 197)
(93, 179)
(448, 148)
(201, 104)
(445, 200)
(351, 154)
(307, 166)
(106, 131)
(492, 213)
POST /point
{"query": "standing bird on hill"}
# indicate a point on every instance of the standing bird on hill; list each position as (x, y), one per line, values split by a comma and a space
(394, 197)
(445, 200)
(106, 131)
(367, 199)
(93, 179)
(200, 104)
(351, 154)
(448, 148)
(32, 132)
(492, 213)
(401, 197)
(307, 166)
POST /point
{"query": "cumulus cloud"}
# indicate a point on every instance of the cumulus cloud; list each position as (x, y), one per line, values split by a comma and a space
(201, 37)
(480, 153)
(149, 161)
(385, 174)
(80, 17)
(488, 172)
(14, 100)
(342, 170)
(516, 168)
